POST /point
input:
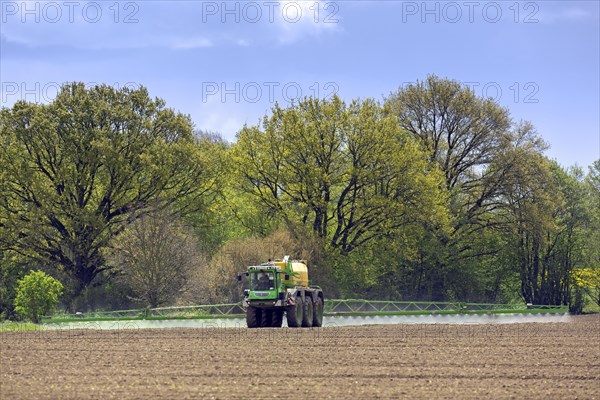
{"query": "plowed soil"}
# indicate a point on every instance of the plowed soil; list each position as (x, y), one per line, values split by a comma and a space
(525, 361)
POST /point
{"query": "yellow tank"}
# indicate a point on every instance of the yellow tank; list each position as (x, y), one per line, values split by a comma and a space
(300, 276)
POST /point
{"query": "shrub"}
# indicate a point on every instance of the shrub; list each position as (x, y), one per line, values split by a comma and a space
(37, 295)
(10, 273)
(577, 301)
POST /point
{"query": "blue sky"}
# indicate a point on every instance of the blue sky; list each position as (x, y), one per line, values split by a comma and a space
(226, 63)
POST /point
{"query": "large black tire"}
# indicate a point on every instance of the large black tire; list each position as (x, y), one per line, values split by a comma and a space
(253, 317)
(307, 317)
(277, 320)
(267, 318)
(318, 313)
(294, 313)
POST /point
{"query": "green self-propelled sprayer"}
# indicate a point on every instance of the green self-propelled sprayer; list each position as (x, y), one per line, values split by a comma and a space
(279, 287)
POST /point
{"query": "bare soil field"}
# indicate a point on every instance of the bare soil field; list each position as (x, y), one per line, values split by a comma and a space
(525, 361)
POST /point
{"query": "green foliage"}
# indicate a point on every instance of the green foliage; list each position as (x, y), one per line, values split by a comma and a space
(37, 295)
(587, 280)
(459, 130)
(577, 301)
(346, 172)
(591, 235)
(433, 195)
(11, 270)
(78, 170)
(11, 326)
(227, 215)
(514, 213)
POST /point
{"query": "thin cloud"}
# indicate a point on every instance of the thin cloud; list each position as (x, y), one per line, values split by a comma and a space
(566, 15)
(193, 43)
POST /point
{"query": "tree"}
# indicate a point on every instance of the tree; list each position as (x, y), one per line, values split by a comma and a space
(460, 131)
(566, 249)
(77, 171)
(37, 295)
(346, 172)
(592, 248)
(467, 136)
(531, 204)
(546, 222)
(155, 256)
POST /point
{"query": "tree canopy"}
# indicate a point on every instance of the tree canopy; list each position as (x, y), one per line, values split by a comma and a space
(78, 170)
(432, 194)
(348, 171)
